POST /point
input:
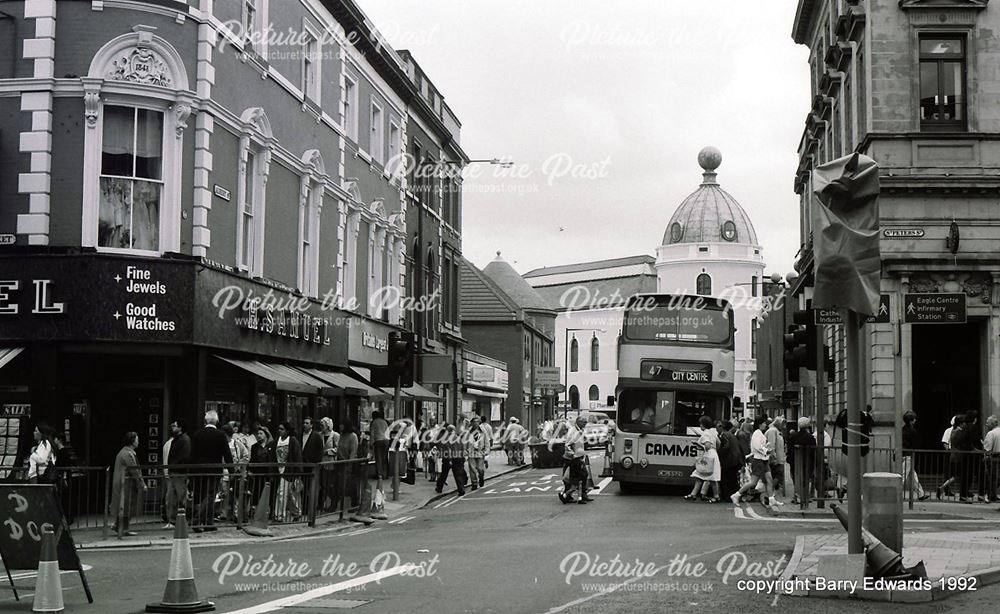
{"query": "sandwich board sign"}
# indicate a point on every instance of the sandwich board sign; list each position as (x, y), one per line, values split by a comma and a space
(26, 510)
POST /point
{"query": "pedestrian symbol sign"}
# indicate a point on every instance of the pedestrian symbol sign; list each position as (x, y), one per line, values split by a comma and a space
(934, 308)
(832, 316)
(882, 316)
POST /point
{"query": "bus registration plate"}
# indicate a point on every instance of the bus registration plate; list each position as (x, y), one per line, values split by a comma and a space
(665, 473)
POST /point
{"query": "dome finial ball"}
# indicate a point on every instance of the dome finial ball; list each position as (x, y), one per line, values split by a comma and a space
(710, 158)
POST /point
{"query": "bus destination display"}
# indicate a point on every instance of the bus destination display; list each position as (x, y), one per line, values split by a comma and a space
(677, 372)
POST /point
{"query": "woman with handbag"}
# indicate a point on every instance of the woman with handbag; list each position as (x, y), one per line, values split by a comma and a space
(707, 469)
(42, 461)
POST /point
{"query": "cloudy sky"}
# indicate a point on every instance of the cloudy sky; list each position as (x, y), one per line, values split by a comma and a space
(603, 107)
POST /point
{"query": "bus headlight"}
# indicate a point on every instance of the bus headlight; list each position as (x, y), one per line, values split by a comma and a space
(643, 463)
(627, 462)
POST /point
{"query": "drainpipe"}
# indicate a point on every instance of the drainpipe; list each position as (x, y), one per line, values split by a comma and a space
(868, 74)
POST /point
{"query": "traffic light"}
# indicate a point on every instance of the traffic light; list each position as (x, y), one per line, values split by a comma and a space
(800, 344)
(402, 348)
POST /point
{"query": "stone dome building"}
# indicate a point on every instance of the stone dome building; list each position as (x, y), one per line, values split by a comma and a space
(710, 247)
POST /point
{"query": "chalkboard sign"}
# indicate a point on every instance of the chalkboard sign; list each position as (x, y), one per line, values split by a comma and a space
(27, 509)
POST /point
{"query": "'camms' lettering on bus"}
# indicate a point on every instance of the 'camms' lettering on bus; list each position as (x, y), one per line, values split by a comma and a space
(672, 449)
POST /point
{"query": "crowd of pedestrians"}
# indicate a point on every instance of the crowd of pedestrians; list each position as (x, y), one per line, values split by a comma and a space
(219, 472)
(747, 459)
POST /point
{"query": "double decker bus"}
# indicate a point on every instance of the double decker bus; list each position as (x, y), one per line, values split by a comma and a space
(676, 363)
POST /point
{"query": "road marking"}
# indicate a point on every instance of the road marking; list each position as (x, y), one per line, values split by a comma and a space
(323, 591)
(446, 502)
(452, 502)
(402, 520)
(600, 486)
(494, 498)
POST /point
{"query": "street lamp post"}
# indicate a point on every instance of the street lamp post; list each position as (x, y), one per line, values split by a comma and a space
(419, 321)
(566, 360)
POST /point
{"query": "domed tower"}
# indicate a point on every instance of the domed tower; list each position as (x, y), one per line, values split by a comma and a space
(710, 247)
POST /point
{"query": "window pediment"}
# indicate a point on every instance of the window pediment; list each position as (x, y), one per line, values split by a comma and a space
(351, 186)
(141, 58)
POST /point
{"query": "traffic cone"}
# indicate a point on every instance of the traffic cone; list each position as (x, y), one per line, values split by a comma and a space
(881, 560)
(180, 594)
(48, 586)
(258, 526)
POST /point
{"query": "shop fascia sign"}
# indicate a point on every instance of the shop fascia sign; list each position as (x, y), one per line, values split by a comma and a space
(375, 342)
(481, 373)
(285, 323)
(43, 303)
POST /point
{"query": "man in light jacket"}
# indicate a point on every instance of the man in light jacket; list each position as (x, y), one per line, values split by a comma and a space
(476, 451)
(776, 443)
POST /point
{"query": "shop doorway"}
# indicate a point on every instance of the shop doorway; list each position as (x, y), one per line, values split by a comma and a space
(947, 375)
(115, 412)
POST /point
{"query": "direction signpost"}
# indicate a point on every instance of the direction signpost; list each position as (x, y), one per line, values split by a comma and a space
(548, 381)
(548, 377)
(934, 308)
(832, 316)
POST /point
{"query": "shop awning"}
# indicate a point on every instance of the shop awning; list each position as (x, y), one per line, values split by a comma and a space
(419, 393)
(8, 354)
(292, 373)
(480, 392)
(346, 383)
(282, 380)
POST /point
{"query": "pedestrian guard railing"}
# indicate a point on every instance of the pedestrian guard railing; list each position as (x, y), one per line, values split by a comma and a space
(220, 494)
(928, 475)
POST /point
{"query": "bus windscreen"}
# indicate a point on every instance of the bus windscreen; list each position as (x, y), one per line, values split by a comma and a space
(667, 412)
(679, 324)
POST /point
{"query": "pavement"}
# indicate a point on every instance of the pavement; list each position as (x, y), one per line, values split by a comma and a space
(952, 556)
(966, 554)
(410, 498)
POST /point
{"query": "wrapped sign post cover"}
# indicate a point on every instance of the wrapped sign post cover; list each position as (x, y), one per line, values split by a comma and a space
(846, 234)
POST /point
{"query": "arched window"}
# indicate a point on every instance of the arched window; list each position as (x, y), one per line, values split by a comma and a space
(574, 356)
(574, 398)
(618, 356)
(704, 284)
(594, 393)
(133, 148)
(595, 354)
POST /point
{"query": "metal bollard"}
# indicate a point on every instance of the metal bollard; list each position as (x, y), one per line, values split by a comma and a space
(883, 516)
